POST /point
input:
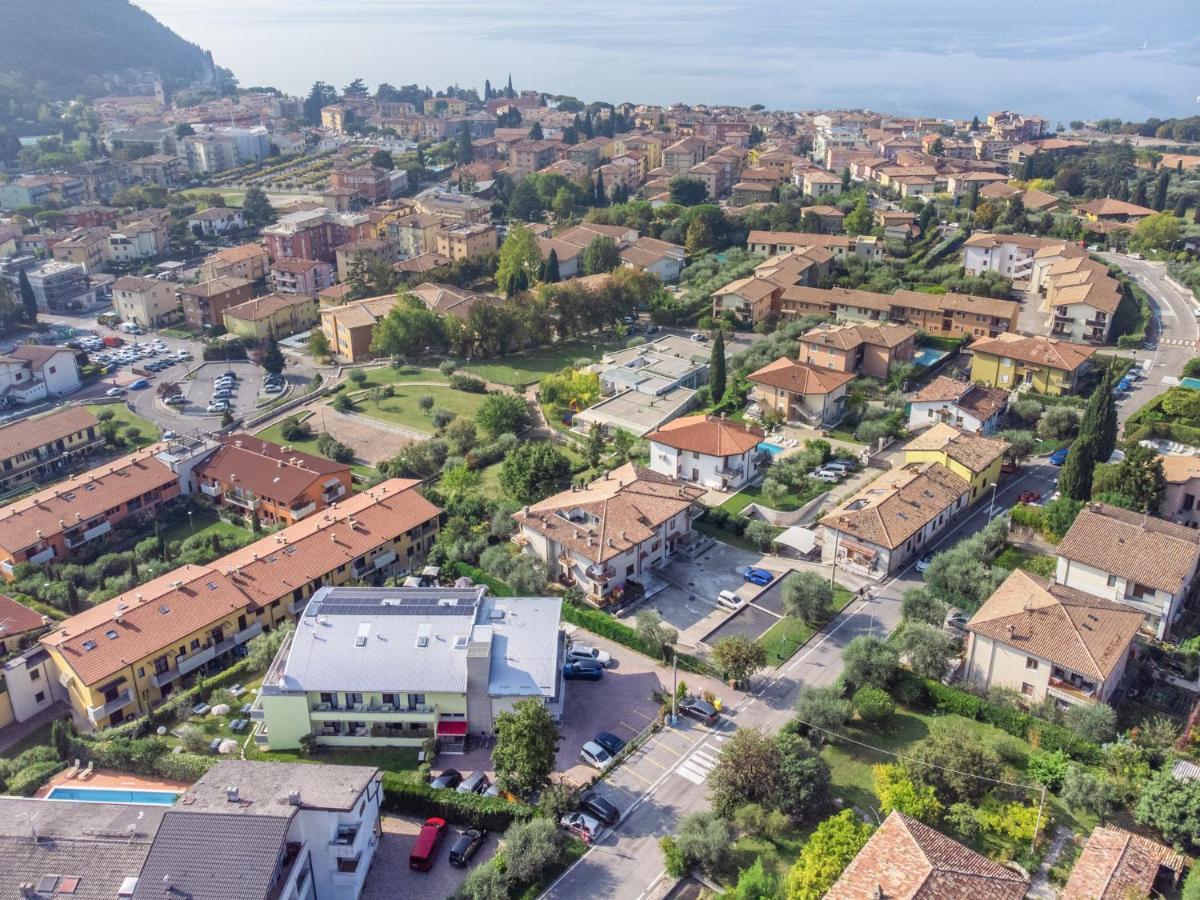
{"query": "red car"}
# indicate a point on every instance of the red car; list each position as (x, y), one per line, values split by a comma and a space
(1008, 467)
(1029, 497)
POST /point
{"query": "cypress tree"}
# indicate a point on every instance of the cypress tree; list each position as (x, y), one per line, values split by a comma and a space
(1075, 480)
(551, 276)
(1160, 190)
(27, 299)
(716, 368)
(487, 89)
(1106, 439)
(1139, 194)
(601, 198)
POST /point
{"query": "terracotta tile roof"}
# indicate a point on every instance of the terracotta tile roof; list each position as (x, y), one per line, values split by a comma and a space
(1179, 469)
(294, 265)
(800, 378)
(753, 289)
(336, 292)
(265, 469)
(135, 284)
(82, 497)
(612, 514)
(941, 388)
(839, 297)
(850, 335)
(999, 191)
(708, 435)
(247, 579)
(898, 504)
(1086, 634)
(446, 299)
(1135, 546)
(17, 619)
(240, 253)
(1037, 201)
(965, 303)
(983, 402)
(24, 435)
(799, 239)
(907, 860)
(265, 307)
(1110, 207)
(1025, 241)
(974, 451)
(1116, 864)
(831, 211)
(422, 263)
(1039, 351)
(215, 286)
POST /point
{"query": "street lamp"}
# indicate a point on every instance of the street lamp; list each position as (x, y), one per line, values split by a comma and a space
(191, 525)
(992, 502)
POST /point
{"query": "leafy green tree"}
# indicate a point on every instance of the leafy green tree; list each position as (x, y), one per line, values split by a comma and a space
(655, 633)
(1058, 515)
(1106, 417)
(1097, 722)
(531, 847)
(1156, 232)
(257, 209)
(873, 706)
(1021, 444)
(825, 855)
(897, 791)
(869, 661)
(739, 657)
(807, 595)
(747, 771)
(804, 777)
(755, 883)
(1087, 790)
(859, 220)
(704, 839)
(1058, 423)
(318, 345)
(1048, 767)
(949, 759)
(927, 648)
(382, 159)
(486, 882)
(687, 191)
(594, 449)
(464, 152)
(699, 236)
(919, 605)
(520, 260)
(760, 533)
(823, 708)
(1172, 807)
(534, 471)
(716, 368)
(600, 256)
(407, 330)
(1140, 477)
(526, 742)
(502, 414)
(271, 358)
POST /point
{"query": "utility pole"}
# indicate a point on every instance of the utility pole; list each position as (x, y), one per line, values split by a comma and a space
(674, 686)
(837, 534)
(1038, 823)
(992, 502)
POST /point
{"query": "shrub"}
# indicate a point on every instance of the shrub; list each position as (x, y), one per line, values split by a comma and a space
(468, 384)
(1048, 768)
(358, 376)
(26, 781)
(447, 367)
(873, 705)
(406, 797)
(673, 860)
(948, 700)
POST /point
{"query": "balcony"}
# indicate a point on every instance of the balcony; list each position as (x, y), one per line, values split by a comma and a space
(299, 512)
(43, 555)
(212, 651)
(165, 677)
(384, 559)
(246, 503)
(600, 574)
(332, 494)
(1072, 693)
(695, 511)
(122, 700)
(327, 712)
(212, 490)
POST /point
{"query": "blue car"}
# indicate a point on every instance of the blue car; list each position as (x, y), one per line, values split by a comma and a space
(1058, 457)
(139, 385)
(761, 577)
(582, 671)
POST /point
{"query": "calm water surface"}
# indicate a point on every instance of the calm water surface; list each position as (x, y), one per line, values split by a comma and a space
(1063, 60)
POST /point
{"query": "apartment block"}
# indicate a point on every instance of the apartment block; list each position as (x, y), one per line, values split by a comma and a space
(204, 304)
(38, 448)
(146, 301)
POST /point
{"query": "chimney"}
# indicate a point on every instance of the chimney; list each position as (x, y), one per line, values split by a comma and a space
(232, 795)
(294, 798)
(1011, 629)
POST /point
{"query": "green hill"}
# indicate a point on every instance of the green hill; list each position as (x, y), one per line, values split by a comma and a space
(63, 46)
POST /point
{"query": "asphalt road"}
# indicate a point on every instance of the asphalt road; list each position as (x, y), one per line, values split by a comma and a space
(1176, 330)
(627, 863)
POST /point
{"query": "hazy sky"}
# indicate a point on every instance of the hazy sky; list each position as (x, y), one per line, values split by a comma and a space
(1063, 60)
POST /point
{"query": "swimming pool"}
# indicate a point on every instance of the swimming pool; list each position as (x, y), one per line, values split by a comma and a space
(773, 449)
(927, 356)
(1193, 383)
(112, 795)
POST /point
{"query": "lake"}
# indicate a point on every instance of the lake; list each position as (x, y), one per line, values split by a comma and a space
(1062, 60)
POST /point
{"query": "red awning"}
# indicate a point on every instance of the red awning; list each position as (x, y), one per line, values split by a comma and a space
(451, 728)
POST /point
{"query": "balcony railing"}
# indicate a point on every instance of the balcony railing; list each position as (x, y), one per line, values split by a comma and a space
(600, 573)
(42, 556)
(1072, 692)
(104, 710)
(420, 709)
(158, 679)
(299, 512)
(243, 502)
(212, 651)
(212, 490)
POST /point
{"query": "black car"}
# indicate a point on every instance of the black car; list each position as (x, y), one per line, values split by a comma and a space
(450, 778)
(700, 710)
(466, 846)
(584, 670)
(600, 809)
(610, 742)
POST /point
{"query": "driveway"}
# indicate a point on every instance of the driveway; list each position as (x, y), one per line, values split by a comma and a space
(390, 875)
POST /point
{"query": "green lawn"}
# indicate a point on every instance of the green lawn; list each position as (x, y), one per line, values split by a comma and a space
(125, 417)
(787, 635)
(181, 333)
(728, 537)
(489, 484)
(389, 375)
(37, 738)
(1035, 563)
(309, 445)
(396, 763)
(521, 369)
(404, 409)
(202, 522)
(754, 494)
(846, 436)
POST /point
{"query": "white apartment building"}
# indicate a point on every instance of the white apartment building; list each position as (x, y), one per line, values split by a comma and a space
(707, 451)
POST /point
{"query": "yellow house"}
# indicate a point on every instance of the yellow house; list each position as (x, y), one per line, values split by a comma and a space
(1045, 365)
(972, 457)
(275, 315)
(394, 667)
(122, 657)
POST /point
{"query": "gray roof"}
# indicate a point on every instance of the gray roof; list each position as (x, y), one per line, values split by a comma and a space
(525, 645)
(206, 856)
(102, 844)
(264, 787)
(418, 640)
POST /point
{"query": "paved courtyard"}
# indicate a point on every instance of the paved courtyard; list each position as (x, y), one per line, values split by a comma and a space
(199, 390)
(390, 876)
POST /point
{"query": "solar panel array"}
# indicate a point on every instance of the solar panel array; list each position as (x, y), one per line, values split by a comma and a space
(413, 602)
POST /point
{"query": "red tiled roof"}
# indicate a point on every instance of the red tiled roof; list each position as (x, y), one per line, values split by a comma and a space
(800, 378)
(17, 619)
(24, 435)
(265, 469)
(708, 435)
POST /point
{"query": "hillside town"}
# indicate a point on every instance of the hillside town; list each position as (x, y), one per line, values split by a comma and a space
(492, 493)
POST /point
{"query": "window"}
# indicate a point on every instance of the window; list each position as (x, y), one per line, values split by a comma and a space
(195, 645)
(1112, 580)
(1189, 501)
(35, 674)
(347, 865)
(1031, 663)
(39, 697)
(1026, 688)
(1141, 591)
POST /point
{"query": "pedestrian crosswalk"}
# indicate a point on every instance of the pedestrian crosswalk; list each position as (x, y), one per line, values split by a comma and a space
(1179, 342)
(700, 763)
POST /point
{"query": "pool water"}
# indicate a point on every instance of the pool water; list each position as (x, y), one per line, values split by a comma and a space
(112, 795)
(927, 356)
(773, 449)
(1193, 383)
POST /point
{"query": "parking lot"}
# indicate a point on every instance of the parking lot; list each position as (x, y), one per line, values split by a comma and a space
(199, 390)
(390, 875)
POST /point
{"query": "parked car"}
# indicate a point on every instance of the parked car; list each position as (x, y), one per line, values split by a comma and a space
(581, 670)
(600, 809)
(114, 392)
(272, 388)
(700, 710)
(956, 621)
(450, 778)
(425, 847)
(465, 847)
(924, 562)
(596, 756)
(139, 384)
(1008, 467)
(584, 653)
(175, 400)
(1030, 497)
(581, 825)
(1136, 256)
(1059, 456)
(169, 435)
(826, 475)
(474, 784)
(698, 338)
(761, 577)
(731, 600)
(610, 742)
(841, 465)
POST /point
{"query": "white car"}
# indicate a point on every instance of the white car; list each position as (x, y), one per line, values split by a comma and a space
(577, 652)
(169, 435)
(698, 338)
(596, 756)
(826, 475)
(217, 406)
(581, 825)
(731, 600)
(114, 392)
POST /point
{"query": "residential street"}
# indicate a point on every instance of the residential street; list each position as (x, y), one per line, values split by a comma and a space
(627, 863)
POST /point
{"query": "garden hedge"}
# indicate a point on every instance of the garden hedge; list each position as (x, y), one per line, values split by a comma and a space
(410, 798)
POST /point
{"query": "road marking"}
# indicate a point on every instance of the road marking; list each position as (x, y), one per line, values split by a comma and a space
(697, 766)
